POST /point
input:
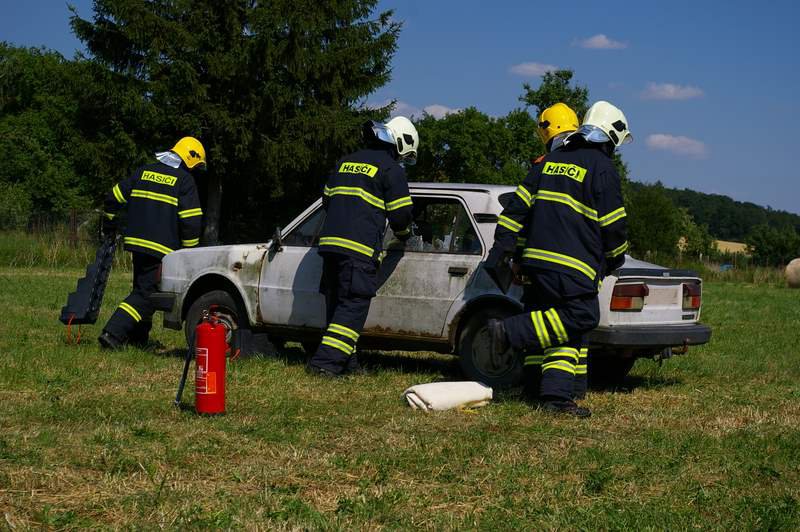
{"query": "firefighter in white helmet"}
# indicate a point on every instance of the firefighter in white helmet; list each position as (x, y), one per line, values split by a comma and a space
(364, 190)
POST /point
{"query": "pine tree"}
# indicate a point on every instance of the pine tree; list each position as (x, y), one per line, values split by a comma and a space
(274, 90)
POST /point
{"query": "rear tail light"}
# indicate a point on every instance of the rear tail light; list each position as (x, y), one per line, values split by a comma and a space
(629, 296)
(692, 296)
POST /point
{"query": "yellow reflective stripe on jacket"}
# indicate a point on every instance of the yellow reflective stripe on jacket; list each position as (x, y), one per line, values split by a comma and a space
(338, 344)
(509, 224)
(357, 192)
(557, 325)
(347, 244)
(118, 194)
(541, 329)
(188, 213)
(109, 215)
(558, 258)
(618, 250)
(155, 246)
(612, 217)
(130, 310)
(569, 201)
(524, 195)
(521, 241)
(399, 203)
(190, 243)
(344, 331)
(139, 193)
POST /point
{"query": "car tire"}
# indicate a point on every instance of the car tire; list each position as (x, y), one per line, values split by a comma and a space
(474, 358)
(224, 303)
(609, 371)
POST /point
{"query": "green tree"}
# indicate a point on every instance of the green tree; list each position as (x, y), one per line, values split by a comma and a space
(470, 146)
(63, 131)
(696, 241)
(654, 223)
(772, 246)
(273, 89)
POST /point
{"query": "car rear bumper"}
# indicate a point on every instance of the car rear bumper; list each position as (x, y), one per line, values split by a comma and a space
(651, 335)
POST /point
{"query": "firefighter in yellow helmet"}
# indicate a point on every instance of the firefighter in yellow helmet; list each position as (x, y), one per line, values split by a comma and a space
(555, 125)
(163, 214)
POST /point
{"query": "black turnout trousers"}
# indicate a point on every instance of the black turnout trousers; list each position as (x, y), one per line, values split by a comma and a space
(133, 319)
(551, 334)
(349, 284)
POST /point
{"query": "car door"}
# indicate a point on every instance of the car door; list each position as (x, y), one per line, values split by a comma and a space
(289, 285)
(421, 280)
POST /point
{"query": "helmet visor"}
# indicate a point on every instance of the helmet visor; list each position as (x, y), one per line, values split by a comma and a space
(382, 132)
(593, 134)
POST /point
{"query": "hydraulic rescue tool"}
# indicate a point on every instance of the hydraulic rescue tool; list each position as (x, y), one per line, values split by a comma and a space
(83, 305)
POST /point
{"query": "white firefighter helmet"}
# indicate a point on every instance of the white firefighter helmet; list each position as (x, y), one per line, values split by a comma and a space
(605, 123)
(406, 138)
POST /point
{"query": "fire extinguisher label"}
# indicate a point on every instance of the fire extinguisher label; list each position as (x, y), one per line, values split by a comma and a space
(205, 382)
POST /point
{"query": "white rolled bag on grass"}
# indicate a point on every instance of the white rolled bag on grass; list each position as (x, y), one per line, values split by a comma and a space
(447, 395)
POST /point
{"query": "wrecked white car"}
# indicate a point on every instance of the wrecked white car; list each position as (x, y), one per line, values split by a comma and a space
(435, 296)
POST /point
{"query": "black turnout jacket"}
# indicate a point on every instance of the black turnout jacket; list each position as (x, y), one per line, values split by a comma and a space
(163, 209)
(568, 216)
(364, 189)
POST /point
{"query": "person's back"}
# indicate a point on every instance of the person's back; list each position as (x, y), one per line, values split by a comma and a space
(577, 194)
(163, 209)
(365, 188)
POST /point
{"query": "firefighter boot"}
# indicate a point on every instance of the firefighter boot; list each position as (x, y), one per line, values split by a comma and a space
(322, 372)
(109, 342)
(553, 405)
(498, 341)
(140, 336)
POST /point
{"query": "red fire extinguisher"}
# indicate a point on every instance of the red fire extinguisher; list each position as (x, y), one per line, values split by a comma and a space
(209, 351)
(210, 347)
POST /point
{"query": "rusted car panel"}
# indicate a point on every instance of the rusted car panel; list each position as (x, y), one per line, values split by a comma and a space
(239, 264)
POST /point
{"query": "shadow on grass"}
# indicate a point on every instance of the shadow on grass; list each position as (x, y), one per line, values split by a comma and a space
(634, 382)
(446, 366)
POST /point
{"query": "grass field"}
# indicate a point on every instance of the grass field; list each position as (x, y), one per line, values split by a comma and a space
(709, 440)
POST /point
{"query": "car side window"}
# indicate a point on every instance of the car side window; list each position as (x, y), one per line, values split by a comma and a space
(307, 233)
(441, 225)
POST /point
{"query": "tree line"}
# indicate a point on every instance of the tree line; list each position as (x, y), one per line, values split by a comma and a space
(277, 91)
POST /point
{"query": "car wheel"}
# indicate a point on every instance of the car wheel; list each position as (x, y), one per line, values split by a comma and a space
(226, 307)
(476, 361)
(609, 371)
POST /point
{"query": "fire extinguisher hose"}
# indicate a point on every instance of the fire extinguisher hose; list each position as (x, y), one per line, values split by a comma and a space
(187, 361)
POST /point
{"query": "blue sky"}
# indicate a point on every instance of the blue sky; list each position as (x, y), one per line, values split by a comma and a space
(709, 88)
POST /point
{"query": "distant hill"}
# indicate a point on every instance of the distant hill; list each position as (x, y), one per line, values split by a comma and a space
(727, 219)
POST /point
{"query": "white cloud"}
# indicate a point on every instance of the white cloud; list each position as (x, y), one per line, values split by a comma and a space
(439, 111)
(532, 69)
(677, 144)
(406, 109)
(670, 91)
(600, 42)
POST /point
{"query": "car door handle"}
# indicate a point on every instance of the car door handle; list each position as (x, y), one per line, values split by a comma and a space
(458, 271)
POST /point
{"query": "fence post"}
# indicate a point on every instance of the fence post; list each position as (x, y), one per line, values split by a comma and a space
(73, 228)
